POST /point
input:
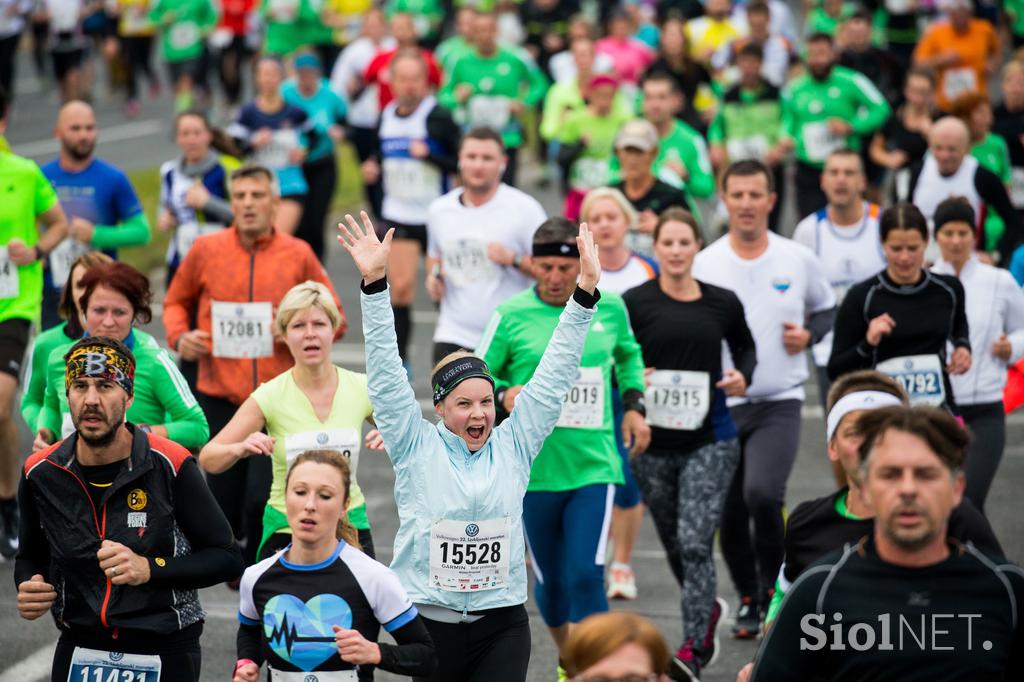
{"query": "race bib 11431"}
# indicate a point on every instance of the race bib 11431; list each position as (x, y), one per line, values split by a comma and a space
(93, 665)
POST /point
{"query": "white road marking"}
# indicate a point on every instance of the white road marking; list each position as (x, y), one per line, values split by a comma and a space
(35, 666)
(117, 133)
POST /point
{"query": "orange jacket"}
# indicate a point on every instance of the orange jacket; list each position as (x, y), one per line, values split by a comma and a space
(220, 268)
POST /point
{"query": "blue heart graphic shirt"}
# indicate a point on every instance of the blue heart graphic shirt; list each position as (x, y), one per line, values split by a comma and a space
(288, 611)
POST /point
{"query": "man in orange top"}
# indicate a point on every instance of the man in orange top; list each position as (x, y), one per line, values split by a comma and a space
(963, 50)
(228, 287)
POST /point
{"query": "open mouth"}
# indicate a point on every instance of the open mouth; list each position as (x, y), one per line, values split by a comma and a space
(308, 524)
(311, 348)
(475, 432)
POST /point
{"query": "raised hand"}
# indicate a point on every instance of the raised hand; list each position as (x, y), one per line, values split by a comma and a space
(368, 252)
(590, 265)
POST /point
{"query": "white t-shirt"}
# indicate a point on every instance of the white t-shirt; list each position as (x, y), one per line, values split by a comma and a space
(848, 254)
(783, 284)
(635, 272)
(364, 111)
(474, 285)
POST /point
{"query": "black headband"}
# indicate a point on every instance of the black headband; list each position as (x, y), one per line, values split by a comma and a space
(556, 249)
(953, 212)
(447, 377)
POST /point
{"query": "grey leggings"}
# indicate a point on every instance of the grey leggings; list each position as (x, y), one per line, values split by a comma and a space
(987, 422)
(685, 492)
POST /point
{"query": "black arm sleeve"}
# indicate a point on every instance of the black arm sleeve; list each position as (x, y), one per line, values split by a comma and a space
(992, 191)
(248, 643)
(215, 557)
(741, 344)
(850, 350)
(442, 127)
(779, 656)
(821, 323)
(967, 524)
(960, 334)
(413, 655)
(33, 548)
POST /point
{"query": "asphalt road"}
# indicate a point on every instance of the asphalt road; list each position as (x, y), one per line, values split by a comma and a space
(144, 143)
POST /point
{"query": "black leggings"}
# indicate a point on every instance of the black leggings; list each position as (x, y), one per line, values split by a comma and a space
(8, 48)
(183, 664)
(495, 648)
(230, 62)
(809, 195)
(322, 178)
(242, 490)
(366, 144)
(987, 422)
(137, 60)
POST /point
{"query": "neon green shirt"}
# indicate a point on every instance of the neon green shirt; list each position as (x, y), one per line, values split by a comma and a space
(512, 346)
(293, 422)
(290, 25)
(592, 168)
(495, 81)
(564, 98)
(993, 154)
(162, 397)
(183, 25)
(808, 104)
(26, 194)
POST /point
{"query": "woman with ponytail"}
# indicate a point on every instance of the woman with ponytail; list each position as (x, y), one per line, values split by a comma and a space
(317, 605)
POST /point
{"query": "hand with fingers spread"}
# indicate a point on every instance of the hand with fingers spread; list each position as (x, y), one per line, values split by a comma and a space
(369, 253)
(590, 265)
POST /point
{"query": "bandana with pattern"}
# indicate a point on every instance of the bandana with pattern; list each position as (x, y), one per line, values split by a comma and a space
(100, 362)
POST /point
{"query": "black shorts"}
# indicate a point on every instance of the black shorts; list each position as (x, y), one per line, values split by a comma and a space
(14, 335)
(66, 61)
(188, 67)
(405, 231)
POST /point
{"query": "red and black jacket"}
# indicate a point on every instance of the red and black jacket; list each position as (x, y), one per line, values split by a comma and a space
(158, 506)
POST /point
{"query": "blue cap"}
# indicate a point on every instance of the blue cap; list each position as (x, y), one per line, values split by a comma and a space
(307, 61)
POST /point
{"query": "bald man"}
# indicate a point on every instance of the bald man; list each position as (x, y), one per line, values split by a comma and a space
(103, 209)
(948, 170)
(28, 201)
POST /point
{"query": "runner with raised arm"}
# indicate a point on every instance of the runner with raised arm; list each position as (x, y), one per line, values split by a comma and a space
(460, 483)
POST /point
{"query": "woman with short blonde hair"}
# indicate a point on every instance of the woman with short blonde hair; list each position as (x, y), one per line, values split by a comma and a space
(315, 405)
(616, 645)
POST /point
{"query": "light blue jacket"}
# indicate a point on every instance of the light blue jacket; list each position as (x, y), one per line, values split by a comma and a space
(437, 477)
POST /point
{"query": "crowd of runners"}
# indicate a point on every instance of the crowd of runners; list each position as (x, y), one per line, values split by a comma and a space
(750, 193)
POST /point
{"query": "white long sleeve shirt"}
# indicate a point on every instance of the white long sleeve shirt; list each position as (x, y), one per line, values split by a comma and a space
(995, 305)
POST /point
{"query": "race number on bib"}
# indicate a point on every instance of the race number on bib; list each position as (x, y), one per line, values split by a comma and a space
(583, 405)
(242, 330)
(411, 179)
(490, 111)
(469, 555)
(956, 82)
(316, 676)
(62, 258)
(754, 147)
(345, 441)
(283, 10)
(8, 276)
(184, 35)
(920, 375)
(819, 141)
(678, 400)
(187, 233)
(466, 262)
(93, 665)
(589, 173)
(277, 152)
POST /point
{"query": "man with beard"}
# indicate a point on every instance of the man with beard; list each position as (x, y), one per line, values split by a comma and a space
(906, 601)
(120, 524)
(103, 209)
(28, 201)
(828, 108)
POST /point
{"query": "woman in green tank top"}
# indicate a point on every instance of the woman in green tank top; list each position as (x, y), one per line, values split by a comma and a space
(313, 406)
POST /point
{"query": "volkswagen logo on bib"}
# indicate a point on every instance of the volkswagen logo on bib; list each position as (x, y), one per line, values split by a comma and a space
(472, 530)
(238, 311)
(310, 678)
(116, 656)
(676, 378)
(908, 364)
(322, 438)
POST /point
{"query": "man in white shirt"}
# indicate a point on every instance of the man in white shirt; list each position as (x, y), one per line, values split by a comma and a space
(789, 305)
(479, 237)
(844, 237)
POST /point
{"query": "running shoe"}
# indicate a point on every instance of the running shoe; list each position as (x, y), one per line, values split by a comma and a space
(710, 647)
(685, 664)
(621, 582)
(748, 619)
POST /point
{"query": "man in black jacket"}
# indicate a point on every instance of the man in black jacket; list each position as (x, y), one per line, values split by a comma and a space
(118, 531)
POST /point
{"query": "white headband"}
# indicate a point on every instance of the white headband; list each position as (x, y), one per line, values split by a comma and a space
(852, 402)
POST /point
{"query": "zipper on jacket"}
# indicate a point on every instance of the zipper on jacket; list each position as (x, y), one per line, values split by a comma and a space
(106, 596)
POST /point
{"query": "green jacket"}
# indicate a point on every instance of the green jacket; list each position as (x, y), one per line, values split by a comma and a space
(183, 25)
(749, 122)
